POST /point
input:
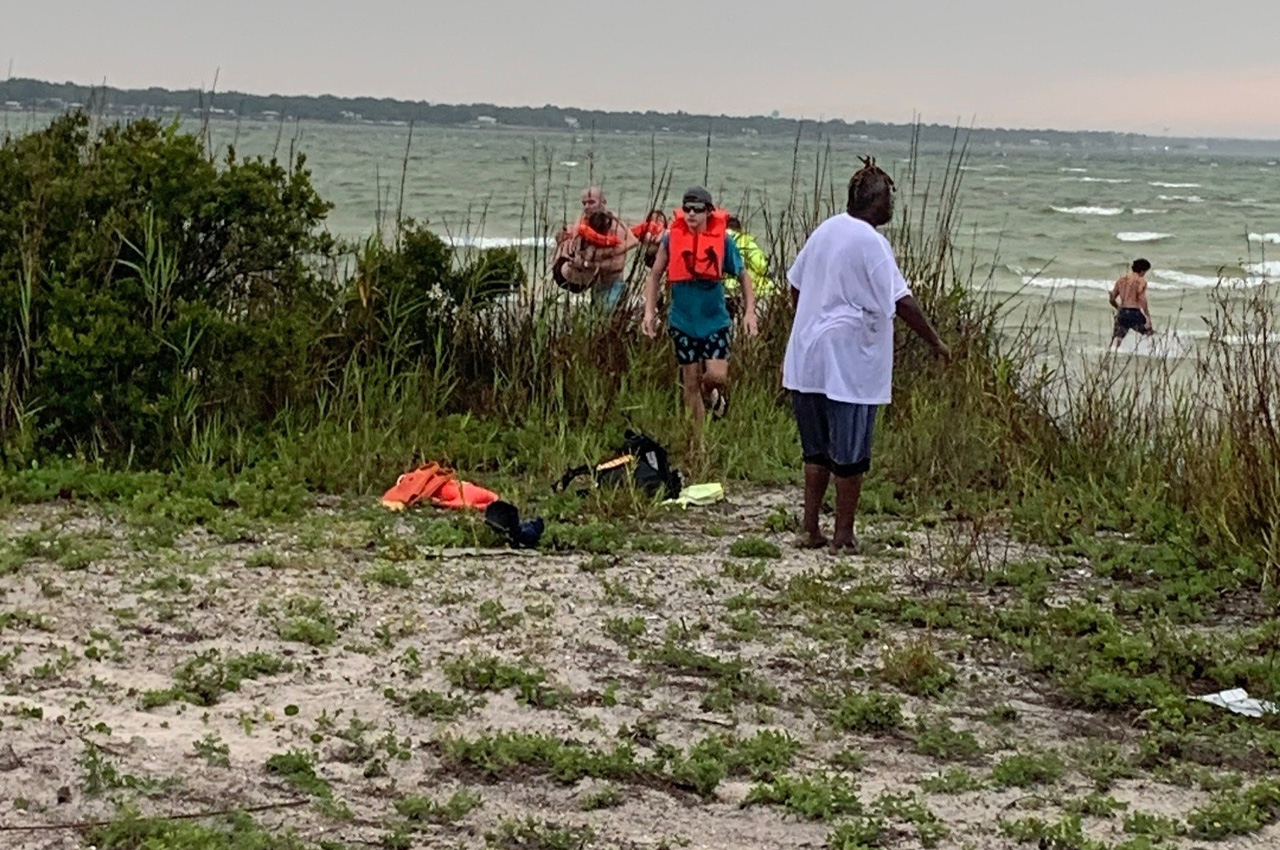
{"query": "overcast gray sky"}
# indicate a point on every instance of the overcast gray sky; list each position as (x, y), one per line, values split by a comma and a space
(1135, 65)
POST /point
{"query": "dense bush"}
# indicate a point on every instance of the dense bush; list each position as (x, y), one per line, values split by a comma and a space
(149, 284)
(150, 292)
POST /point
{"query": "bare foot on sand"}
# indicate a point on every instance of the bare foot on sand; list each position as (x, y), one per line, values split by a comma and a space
(846, 547)
(809, 541)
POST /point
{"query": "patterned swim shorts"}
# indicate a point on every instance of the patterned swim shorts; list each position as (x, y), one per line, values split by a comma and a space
(692, 349)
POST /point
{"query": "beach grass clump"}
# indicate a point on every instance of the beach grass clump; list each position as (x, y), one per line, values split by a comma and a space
(204, 679)
(873, 712)
(480, 673)
(818, 796)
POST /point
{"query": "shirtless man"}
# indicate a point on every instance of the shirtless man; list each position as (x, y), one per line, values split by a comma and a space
(1129, 299)
(609, 291)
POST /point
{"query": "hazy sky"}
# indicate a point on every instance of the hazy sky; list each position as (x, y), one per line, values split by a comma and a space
(1134, 65)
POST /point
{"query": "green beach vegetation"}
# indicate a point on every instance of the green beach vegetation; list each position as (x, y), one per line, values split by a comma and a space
(165, 312)
(185, 351)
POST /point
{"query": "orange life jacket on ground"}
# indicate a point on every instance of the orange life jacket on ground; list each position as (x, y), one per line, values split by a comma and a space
(438, 485)
(696, 256)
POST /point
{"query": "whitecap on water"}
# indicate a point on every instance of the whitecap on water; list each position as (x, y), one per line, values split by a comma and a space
(1270, 268)
(1067, 283)
(569, 163)
(1084, 283)
(1143, 236)
(1089, 210)
(1075, 170)
(1176, 185)
(1143, 211)
(1099, 179)
(498, 242)
(1185, 280)
(1265, 238)
(1190, 199)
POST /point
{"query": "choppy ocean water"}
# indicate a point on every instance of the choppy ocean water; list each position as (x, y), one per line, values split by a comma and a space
(1048, 228)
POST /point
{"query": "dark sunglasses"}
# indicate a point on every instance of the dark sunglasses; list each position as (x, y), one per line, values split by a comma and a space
(695, 208)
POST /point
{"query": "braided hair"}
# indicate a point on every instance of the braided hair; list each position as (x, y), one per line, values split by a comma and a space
(867, 183)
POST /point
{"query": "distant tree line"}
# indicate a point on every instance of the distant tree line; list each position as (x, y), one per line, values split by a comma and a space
(27, 94)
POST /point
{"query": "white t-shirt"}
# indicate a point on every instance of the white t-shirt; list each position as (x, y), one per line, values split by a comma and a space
(842, 341)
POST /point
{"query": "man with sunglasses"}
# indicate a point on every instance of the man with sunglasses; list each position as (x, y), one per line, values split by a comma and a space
(696, 254)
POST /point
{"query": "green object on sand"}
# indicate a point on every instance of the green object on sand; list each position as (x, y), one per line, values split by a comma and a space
(698, 495)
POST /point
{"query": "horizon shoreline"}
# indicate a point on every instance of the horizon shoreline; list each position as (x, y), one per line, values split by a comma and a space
(785, 125)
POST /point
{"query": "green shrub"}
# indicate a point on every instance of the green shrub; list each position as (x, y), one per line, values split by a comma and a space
(155, 281)
(869, 712)
(817, 797)
(754, 547)
(1024, 770)
(917, 669)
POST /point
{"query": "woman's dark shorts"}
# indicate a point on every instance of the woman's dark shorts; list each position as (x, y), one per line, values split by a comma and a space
(835, 435)
(1130, 319)
(692, 349)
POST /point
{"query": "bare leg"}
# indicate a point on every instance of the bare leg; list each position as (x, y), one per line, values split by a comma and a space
(848, 492)
(716, 377)
(816, 479)
(691, 378)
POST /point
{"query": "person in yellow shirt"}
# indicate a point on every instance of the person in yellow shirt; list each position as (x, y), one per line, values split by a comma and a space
(757, 265)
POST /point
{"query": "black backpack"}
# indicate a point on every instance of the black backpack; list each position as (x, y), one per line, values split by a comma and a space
(641, 459)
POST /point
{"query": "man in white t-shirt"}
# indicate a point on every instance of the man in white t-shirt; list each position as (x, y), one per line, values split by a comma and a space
(846, 287)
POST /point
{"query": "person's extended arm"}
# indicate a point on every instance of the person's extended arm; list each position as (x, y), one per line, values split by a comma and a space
(628, 239)
(1114, 295)
(748, 302)
(650, 324)
(1142, 302)
(909, 310)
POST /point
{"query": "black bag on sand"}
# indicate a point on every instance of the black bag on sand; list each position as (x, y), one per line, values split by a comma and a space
(642, 460)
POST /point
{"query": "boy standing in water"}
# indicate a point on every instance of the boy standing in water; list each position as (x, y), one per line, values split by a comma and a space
(847, 288)
(1129, 299)
(696, 253)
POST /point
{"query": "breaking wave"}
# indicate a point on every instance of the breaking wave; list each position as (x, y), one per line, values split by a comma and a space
(1143, 236)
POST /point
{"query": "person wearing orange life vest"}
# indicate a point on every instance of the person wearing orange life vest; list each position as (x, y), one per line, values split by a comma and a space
(695, 255)
(595, 255)
(650, 233)
(605, 263)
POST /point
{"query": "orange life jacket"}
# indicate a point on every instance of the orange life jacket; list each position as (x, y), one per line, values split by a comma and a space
(599, 240)
(438, 485)
(696, 256)
(649, 230)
